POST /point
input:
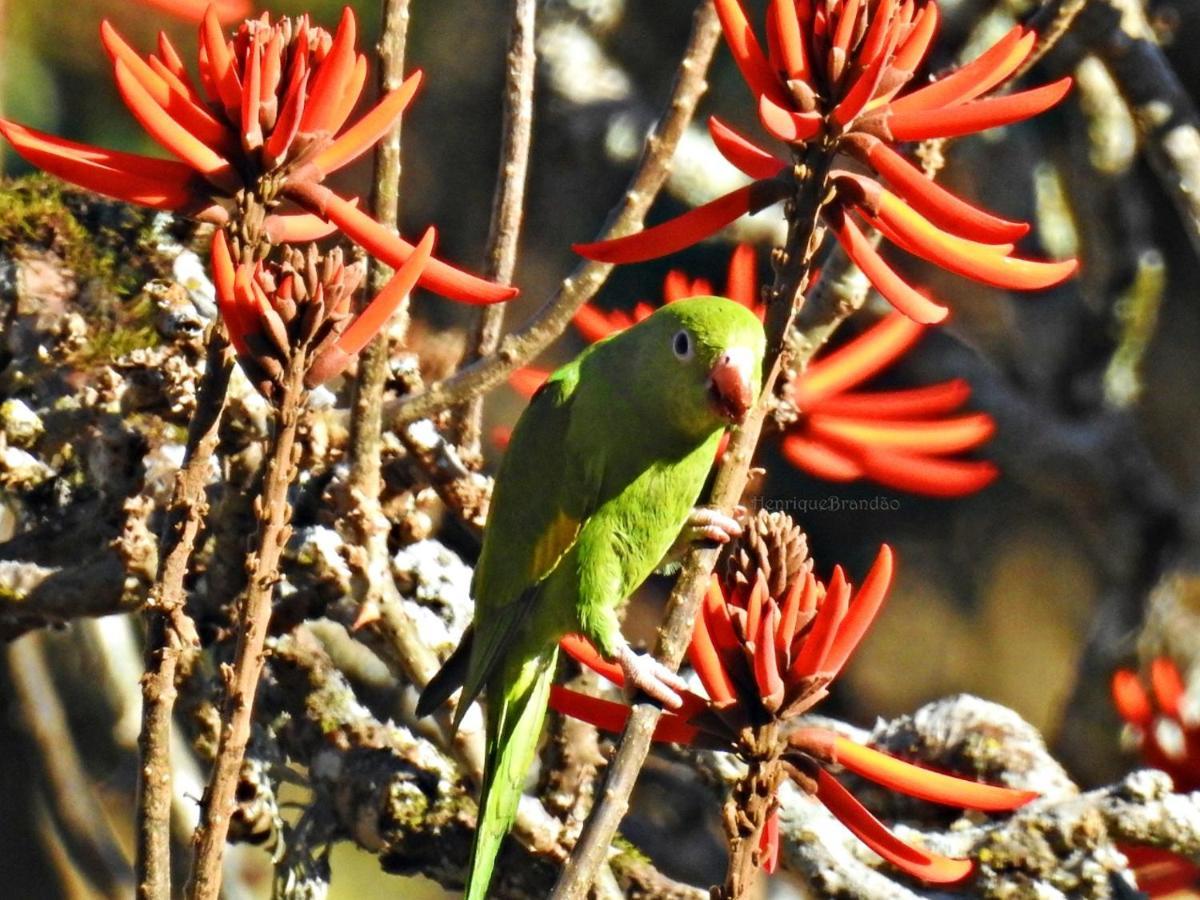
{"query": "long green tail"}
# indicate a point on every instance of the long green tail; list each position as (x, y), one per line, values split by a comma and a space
(516, 703)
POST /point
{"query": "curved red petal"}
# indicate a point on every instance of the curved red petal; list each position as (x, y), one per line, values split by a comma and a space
(814, 650)
(862, 611)
(937, 437)
(167, 132)
(375, 316)
(820, 460)
(1168, 686)
(854, 362)
(368, 130)
(706, 660)
(977, 77)
(332, 76)
(791, 40)
(978, 115)
(747, 52)
(907, 403)
(585, 653)
(611, 717)
(929, 867)
(939, 205)
(596, 324)
(741, 281)
(786, 125)
(927, 475)
(742, 153)
(1130, 699)
(685, 230)
(893, 288)
(926, 784)
(157, 183)
(979, 262)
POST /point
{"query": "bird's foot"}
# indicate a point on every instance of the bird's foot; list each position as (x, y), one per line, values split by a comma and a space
(708, 524)
(646, 674)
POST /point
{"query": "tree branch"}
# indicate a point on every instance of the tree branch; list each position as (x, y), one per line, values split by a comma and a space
(508, 205)
(170, 630)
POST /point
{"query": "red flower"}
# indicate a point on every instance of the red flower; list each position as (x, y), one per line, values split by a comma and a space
(1167, 734)
(265, 126)
(1164, 729)
(273, 310)
(763, 659)
(904, 439)
(831, 74)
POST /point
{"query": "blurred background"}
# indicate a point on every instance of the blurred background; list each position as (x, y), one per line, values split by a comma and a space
(1026, 593)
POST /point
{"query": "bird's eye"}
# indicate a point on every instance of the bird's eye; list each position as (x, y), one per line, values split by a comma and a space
(682, 345)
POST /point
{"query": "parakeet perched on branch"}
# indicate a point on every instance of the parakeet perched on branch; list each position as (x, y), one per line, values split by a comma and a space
(600, 479)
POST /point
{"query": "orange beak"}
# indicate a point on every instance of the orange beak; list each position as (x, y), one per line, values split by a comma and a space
(730, 383)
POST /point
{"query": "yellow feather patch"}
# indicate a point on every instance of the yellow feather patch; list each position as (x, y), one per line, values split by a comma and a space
(553, 544)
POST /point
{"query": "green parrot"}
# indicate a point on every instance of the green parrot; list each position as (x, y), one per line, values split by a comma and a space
(600, 480)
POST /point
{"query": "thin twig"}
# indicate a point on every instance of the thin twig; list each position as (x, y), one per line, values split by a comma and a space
(508, 204)
(254, 615)
(792, 270)
(366, 417)
(522, 345)
(170, 629)
(70, 802)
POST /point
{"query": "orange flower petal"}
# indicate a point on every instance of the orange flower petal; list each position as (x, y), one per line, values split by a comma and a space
(968, 258)
(791, 41)
(810, 660)
(820, 460)
(934, 399)
(916, 45)
(350, 94)
(768, 842)
(862, 612)
(929, 867)
(333, 74)
(747, 52)
(893, 288)
(706, 660)
(1168, 686)
(742, 153)
(766, 661)
(585, 653)
(1130, 699)
(223, 280)
(297, 228)
(220, 65)
(937, 204)
(596, 324)
(854, 362)
(927, 475)
(926, 784)
(977, 77)
(157, 183)
(373, 318)
(685, 230)
(754, 607)
(368, 130)
(611, 717)
(526, 380)
(787, 125)
(978, 115)
(379, 241)
(931, 438)
(168, 133)
(741, 282)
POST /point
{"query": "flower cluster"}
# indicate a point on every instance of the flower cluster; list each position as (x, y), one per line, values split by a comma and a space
(831, 77)
(301, 305)
(1165, 728)
(765, 656)
(253, 141)
(905, 439)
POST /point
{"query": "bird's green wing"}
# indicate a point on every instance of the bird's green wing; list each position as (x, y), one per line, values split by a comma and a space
(542, 496)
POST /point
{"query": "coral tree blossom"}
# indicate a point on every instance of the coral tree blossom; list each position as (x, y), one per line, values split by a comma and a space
(832, 75)
(764, 659)
(905, 439)
(302, 305)
(1165, 728)
(253, 141)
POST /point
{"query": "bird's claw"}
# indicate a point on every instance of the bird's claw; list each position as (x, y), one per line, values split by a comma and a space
(708, 524)
(646, 674)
